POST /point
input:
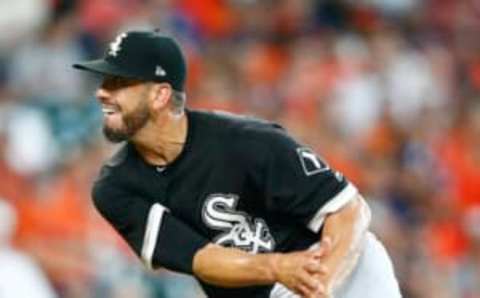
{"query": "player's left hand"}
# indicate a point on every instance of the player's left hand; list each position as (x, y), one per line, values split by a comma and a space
(298, 271)
(327, 278)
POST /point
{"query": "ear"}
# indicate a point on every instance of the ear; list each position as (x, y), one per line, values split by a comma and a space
(160, 94)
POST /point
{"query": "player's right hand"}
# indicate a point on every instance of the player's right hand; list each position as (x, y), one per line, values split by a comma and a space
(299, 271)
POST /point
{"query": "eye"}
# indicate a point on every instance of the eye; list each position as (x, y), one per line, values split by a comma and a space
(110, 82)
(116, 82)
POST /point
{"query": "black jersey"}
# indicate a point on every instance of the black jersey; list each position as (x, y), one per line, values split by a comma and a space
(238, 182)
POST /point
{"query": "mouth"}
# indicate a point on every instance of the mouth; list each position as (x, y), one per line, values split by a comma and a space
(109, 110)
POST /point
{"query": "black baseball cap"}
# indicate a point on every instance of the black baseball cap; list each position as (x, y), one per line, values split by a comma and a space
(144, 55)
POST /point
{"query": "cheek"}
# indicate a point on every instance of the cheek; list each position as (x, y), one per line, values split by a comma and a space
(128, 100)
(124, 102)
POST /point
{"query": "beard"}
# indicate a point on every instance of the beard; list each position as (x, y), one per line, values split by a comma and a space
(132, 122)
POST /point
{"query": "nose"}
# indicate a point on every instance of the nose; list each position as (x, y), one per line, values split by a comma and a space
(102, 94)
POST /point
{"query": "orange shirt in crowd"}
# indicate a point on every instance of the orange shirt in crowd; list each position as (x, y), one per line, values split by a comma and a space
(462, 169)
(215, 17)
(446, 241)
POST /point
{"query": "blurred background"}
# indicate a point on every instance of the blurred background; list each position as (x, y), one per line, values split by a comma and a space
(387, 91)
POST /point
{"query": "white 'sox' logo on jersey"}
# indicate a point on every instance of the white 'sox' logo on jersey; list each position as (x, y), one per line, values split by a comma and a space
(115, 46)
(239, 229)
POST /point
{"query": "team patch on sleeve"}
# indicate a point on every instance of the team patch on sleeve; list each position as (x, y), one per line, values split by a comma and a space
(311, 163)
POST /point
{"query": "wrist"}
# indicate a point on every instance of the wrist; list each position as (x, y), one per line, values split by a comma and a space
(274, 265)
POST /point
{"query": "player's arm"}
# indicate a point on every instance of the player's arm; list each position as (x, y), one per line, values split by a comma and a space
(304, 190)
(346, 228)
(229, 267)
(154, 235)
(161, 240)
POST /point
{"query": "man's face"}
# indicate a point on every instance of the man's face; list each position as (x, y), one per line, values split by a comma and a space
(125, 107)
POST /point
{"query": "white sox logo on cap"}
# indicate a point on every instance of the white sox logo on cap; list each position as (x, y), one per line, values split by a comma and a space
(115, 45)
(144, 55)
(159, 71)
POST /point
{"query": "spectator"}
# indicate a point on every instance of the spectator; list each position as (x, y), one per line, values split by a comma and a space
(20, 276)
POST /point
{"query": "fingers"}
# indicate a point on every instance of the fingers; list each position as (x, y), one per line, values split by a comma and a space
(305, 292)
(302, 280)
(326, 242)
(309, 281)
(303, 272)
(318, 252)
(313, 290)
(315, 267)
(324, 247)
(308, 286)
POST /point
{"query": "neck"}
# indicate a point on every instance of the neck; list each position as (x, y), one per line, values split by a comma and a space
(162, 140)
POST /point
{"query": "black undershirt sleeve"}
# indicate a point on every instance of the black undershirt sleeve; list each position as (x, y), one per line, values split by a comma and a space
(175, 244)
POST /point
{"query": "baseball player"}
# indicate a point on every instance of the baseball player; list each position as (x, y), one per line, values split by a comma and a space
(232, 200)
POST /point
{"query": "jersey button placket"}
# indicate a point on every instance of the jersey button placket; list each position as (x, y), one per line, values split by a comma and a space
(160, 169)
(161, 182)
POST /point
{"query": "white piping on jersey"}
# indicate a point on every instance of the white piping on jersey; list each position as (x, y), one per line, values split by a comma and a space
(335, 204)
(355, 247)
(150, 237)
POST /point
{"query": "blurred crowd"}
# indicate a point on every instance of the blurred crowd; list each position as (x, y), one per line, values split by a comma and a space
(387, 91)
